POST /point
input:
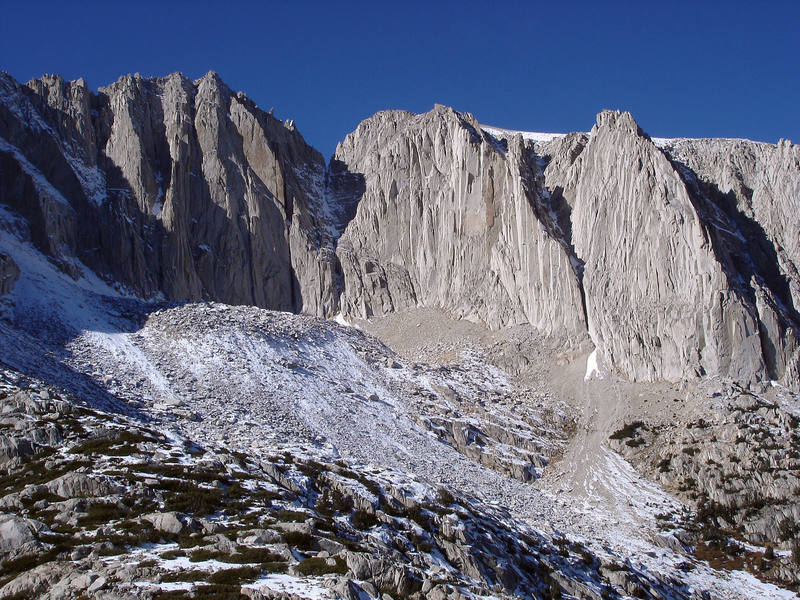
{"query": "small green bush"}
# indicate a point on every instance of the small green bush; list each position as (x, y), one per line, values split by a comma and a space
(292, 516)
(186, 497)
(628, 431)
(100, 514)
(445, 497)
(203, 554)
(298, 539)
(236, 576)
(363, 520)
(246, 554)
(320, 566)
(796, 551)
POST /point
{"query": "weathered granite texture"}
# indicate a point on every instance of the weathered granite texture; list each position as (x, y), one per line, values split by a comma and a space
(168, 187)
(678, 258)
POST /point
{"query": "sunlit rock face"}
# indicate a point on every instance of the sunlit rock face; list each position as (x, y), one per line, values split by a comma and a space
(676, 258)
(453, 218)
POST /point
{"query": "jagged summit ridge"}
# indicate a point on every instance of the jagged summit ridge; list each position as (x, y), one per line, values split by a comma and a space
(639, 263)
(446, 213)
(676, 260)
(174, 187)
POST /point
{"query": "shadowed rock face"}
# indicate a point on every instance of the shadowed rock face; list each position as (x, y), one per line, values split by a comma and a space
(9, 273)
(678, 260)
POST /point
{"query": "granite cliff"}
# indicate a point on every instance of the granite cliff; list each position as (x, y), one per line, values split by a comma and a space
(530, 365)
(168, 187)
(677, 259)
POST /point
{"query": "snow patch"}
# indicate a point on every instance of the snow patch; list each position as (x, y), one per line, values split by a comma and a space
(92, 179)
(342, 320)
(592, 370)
(534, 136)
(287, 584)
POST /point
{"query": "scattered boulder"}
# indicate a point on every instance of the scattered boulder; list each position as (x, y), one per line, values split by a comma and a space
(168, 522)
(81, 485)
(9, 274)
(15, 531)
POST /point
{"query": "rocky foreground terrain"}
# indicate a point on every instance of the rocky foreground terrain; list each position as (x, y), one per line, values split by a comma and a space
(100, 505)
(455, 361)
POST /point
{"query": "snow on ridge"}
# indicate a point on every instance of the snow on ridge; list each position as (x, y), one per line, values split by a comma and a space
(21, 107)
(534, 136)
(665, 142)
(661, 142)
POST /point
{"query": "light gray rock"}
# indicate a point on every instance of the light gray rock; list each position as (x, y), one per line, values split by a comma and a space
(80, 485)
(169, 186)
(15, 531)
(452, 218)
(9, 274)
(260, 537)
(167, 522)
(612, 230)
(752, 188)
(14, 448)
(659, 304)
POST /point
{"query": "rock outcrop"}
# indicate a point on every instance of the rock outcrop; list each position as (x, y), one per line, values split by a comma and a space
(748, 194)
(9, 273)
(604, 233)
(659, 304)
(244, 518)
(678, 259)
(168, 187)
(452, 218)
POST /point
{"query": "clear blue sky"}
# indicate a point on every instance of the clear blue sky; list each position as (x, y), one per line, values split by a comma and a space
(692, 69)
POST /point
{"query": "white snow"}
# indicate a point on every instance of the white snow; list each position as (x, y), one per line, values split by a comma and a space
(92, 179)
(287, 584)
(534, 136)
(40, 279)
(342, 320)
(166, 586)
(592, 369)
(541, 137)
(665, 142)
(21, 107)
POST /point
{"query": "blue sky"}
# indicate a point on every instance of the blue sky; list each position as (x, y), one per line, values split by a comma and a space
(690, 69)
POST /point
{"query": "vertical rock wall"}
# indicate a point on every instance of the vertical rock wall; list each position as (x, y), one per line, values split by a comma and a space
(452, 218)
(679, 260)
